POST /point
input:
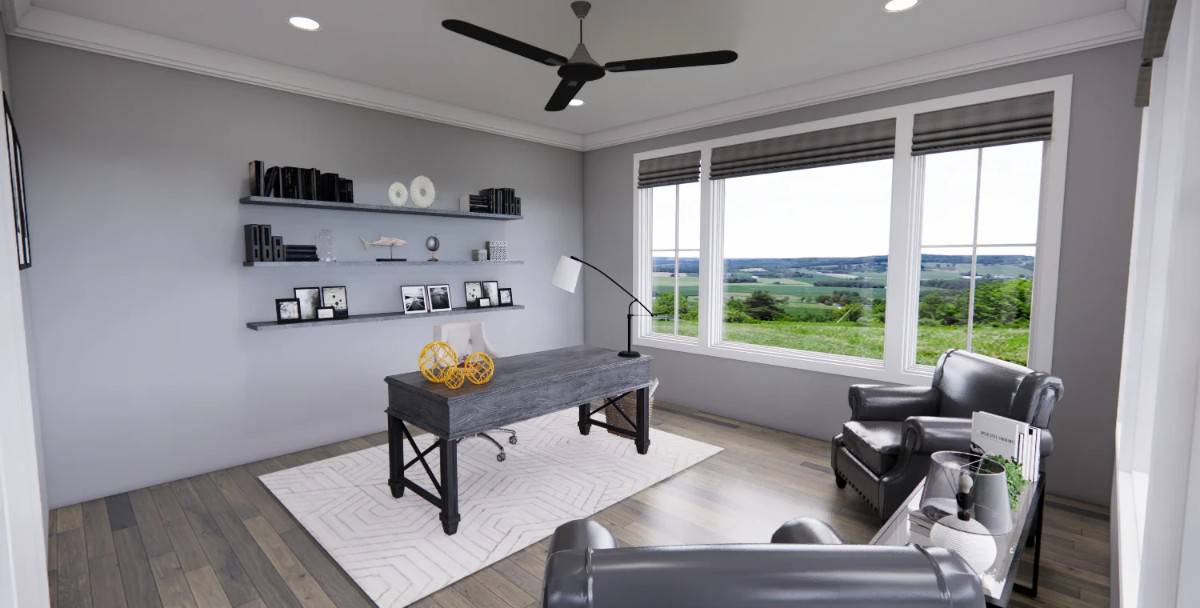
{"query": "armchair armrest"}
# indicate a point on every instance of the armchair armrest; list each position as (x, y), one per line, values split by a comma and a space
(881, 402)
(928, 434)
(806, 531)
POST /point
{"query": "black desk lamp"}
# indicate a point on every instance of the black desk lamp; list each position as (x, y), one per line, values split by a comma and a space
(566, 276)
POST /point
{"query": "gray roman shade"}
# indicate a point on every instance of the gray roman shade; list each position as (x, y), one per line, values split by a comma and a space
(669, 170)
(996, 123)
(841, 145)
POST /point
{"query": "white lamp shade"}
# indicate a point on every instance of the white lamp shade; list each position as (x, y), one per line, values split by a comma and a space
(566, 275)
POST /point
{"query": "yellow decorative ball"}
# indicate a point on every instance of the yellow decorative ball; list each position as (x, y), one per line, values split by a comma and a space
(479, 368)
(455, 378)
(435, 360)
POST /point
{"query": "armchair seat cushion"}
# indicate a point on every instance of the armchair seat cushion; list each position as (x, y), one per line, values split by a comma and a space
(875, 443)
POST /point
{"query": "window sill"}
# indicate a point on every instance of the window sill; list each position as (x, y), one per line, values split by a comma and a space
(841, 365)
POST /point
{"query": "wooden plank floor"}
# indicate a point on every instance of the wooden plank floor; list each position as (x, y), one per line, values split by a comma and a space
(222, 541)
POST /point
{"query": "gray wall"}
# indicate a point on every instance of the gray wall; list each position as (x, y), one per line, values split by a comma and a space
(1101, 174)
(138, 298)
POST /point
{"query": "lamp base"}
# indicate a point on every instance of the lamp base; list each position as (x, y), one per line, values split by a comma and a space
(629, 354)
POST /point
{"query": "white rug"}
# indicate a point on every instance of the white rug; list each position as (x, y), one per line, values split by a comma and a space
(395, 548)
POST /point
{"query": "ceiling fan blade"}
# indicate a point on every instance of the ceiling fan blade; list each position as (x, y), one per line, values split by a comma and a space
(672, 61)
(566, 91)
(501, 41)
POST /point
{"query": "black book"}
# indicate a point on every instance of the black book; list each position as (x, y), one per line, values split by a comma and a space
(517, 211)
(253, 245)
(345, 190)
(301, 247)
(272, 182)
(327, 188)
(264, 240)
(277, 247)
(308, 184)
(256, 178)
(291, 182)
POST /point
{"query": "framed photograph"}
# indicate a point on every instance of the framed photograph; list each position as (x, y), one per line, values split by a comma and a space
(335, 298)
(474, 290)
(485, 303)
(287, 310)
(491, 291)
(506, 296)
(324, 312)
(310, 301)
(16, 176)
(439, 297)
(413, 299)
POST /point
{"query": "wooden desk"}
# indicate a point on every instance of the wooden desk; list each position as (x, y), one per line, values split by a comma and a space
(524, 387)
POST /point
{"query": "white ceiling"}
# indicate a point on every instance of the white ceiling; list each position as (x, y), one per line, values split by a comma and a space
(400, 48)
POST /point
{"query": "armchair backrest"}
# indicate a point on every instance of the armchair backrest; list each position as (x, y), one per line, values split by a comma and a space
(970, 382)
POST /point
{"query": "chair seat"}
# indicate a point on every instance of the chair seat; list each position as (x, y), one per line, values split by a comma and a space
(875, 443)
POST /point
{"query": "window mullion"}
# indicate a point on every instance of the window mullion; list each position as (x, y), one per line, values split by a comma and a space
(711, 227)
(675, 313)
(899, 335)
(974, 252)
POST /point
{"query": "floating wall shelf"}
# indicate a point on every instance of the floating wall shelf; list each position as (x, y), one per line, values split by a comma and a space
(375, 263)
(374, 317)
(268, 201)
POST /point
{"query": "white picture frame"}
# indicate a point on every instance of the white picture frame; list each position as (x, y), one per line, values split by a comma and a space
(438, 298)
(413, 299)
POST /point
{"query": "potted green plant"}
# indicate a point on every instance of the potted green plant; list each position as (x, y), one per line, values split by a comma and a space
(1016, 481)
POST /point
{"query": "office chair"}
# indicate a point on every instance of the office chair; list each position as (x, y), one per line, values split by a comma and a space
(468, 337)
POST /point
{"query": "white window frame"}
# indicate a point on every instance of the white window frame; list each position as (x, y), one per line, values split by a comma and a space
(900, 335)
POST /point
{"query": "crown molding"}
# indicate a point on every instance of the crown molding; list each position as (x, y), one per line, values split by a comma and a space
(1137, 11)
(1099, 30)
(55, 27)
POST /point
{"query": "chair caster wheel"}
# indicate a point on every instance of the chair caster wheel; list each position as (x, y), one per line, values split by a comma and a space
(512, 439)
(500, 457)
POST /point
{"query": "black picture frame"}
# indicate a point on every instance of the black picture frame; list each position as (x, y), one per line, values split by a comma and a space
(413, 299)
(491, 291)
(473, 291)
(506, 296)
(438, 298)
(337, 298)
(16, 175)
(287, 310)
(310, 301)
(324, 313)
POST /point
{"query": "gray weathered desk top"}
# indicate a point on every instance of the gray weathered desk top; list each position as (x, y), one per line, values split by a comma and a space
(524, 386)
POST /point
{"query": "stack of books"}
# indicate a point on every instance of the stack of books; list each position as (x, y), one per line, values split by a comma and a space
(497, 250)
(1020, 441)
(919, 526)
(299, 183)
(492, 200)
(261, 246)
(300, 253)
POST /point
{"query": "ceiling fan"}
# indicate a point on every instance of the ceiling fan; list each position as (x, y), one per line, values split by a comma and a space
(581, 69)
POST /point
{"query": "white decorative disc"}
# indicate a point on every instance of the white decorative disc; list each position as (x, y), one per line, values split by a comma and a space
(422, 191)
(398, 194)
(978, 549)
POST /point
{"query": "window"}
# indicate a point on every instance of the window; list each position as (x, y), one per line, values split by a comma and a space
(864, 245)
(979, 215)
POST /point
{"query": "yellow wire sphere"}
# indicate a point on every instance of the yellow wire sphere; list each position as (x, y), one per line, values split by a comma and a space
(479, 368)
(455, 378)
(435, 361)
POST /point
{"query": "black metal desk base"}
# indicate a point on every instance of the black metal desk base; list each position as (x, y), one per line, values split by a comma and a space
(446, 496)
(641, 432)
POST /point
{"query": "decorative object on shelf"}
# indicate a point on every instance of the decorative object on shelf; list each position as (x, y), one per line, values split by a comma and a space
(432, 244)
(300, 253)
(261, 246)
(413, 299)
(294, 182)
(345, 190)
(277, 251)
(335, 298)
(439, 297)
(310, 301)
(485, 303)
(325, 245)
(287, 310)
(324, 312)
(479, 368)
(506, 296)
(257, 178)
(391, 243)
(491, 291)
(497, 250)
(479, 255)
(966, 500)
(422, 191)
(566, 276)
(397, 194)
(474, 291)
(436, 360)
(503, 201)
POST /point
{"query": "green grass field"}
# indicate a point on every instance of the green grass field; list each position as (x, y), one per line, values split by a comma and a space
(1008, 343)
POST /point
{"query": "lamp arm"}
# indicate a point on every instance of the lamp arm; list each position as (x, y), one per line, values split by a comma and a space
(614, 282)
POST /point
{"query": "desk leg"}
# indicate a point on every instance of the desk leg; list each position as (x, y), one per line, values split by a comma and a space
(396, 456)
(585, 419)
(642, 441)
(449, 516)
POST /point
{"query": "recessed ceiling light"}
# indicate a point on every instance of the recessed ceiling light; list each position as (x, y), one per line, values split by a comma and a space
(897, 6)
(304, 23)
(575, 102)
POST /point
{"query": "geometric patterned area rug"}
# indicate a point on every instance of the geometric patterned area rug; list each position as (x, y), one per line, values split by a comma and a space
(395, 550)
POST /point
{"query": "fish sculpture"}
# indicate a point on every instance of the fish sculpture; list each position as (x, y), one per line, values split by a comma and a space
(390, 242)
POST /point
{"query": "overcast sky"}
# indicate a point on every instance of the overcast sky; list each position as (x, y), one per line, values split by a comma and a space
(843, 210)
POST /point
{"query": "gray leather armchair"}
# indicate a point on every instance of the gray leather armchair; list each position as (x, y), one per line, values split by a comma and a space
(805, 565)
(883, 451)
